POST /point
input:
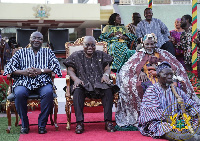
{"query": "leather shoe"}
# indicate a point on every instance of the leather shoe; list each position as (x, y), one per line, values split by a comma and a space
(24, 130)
(109, 127)
(79, 128)
(42, 130)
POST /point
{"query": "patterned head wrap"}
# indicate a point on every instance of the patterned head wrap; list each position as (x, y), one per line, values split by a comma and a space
(151, 36)
(162, 66)
(178, 19)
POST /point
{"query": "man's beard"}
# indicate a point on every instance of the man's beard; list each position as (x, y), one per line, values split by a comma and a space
(150, 51)
(183, 25)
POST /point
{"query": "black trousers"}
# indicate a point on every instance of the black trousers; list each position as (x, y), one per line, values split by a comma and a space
(168, 46)
(79, 98)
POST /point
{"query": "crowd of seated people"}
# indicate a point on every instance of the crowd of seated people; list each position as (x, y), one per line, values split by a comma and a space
(144, 77)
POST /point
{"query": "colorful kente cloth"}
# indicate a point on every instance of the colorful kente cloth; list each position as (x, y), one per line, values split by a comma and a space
(131, 92)
(156, 107)
(117, 48)
(186, 45)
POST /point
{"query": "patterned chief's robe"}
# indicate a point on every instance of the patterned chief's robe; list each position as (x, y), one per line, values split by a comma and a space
(157, 105)
(130, 96)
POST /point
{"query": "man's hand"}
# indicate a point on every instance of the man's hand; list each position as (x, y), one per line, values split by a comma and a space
(142, 77)
(105, 79)
(37, 71)
(77, 82)
(32, 72)
(26, 72)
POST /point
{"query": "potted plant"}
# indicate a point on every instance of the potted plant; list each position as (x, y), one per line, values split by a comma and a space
(3, 94)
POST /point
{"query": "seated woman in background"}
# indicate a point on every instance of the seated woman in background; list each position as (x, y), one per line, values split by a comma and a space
(118, 39)
(175, 37)
(137, 74)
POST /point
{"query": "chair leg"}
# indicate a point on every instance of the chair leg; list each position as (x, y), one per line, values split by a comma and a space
(51, 119)
(8, 104)
(55, 113)
(16, 115)
(68, 113)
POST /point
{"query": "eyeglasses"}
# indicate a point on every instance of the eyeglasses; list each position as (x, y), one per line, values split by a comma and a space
(36, 38)
(88, 44)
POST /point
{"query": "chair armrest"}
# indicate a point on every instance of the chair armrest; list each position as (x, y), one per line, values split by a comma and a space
(53, 76)
(113, 77)
(67, 94)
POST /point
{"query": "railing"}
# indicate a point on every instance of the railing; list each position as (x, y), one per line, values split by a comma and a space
(142, 2)
(52, 1)
(161, 1)
(182, 1)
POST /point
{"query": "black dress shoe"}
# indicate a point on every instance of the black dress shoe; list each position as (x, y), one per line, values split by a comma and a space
(79, 128)
(42, 130)
(24, 130)
(109, 126)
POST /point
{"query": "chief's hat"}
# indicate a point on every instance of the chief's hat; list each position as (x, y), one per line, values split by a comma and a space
(162, 66)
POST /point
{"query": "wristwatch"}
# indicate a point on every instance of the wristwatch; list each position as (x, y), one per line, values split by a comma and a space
(42, 70)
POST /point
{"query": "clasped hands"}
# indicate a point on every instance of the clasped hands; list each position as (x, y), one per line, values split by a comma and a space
(33, 72)
(78, 82)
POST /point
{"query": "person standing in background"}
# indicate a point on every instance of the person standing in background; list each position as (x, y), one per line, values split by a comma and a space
(175, 38)
(152, 25)
(136, 18)
(186, 43)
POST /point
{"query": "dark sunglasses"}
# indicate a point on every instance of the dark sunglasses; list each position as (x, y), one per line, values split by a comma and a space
(88, 44)
(38, 38)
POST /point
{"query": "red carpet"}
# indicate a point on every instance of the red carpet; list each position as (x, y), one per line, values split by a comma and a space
(93, 131)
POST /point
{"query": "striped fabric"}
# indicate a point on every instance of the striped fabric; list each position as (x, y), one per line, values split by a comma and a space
(157, 27)
(131, 28)
(25, 58)
(156, 104)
